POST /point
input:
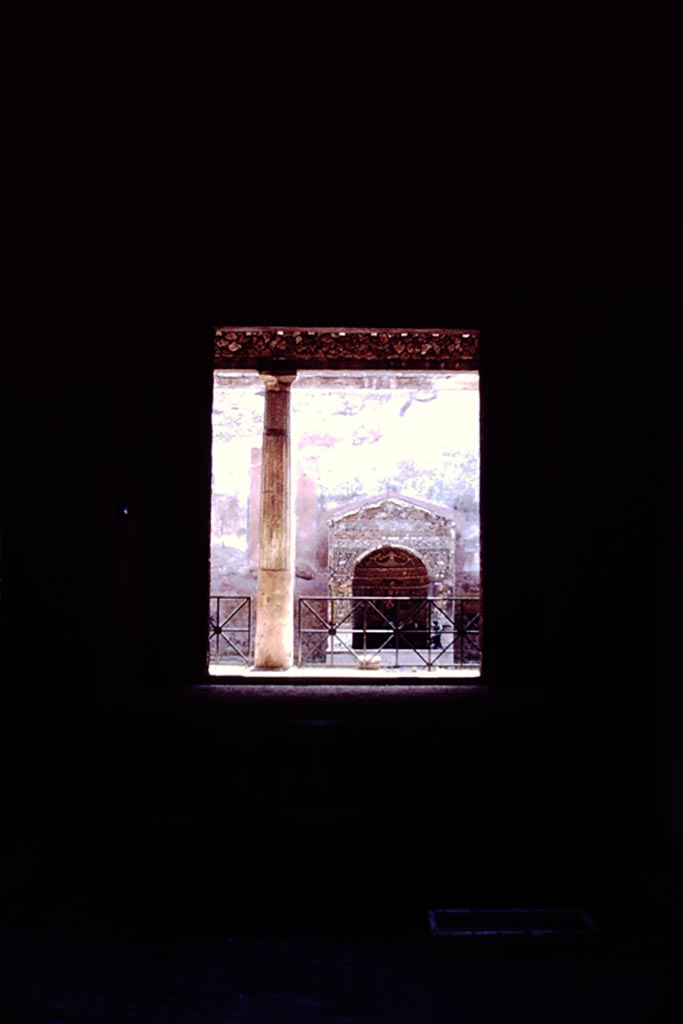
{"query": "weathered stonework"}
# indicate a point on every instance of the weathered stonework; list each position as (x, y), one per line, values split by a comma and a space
(399, 524)
(319, 348)
(275, 597)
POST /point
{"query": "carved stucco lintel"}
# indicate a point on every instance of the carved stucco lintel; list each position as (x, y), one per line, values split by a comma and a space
(319, 348)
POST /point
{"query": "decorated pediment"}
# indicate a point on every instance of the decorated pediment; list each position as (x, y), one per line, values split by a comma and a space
(390, 510)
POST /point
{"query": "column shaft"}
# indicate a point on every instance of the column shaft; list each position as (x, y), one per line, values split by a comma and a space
(275, 598)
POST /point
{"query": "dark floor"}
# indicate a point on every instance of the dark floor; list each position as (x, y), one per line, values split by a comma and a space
(214, 857)
(96, 975)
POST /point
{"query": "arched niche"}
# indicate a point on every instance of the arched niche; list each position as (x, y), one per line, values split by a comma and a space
(396, 582)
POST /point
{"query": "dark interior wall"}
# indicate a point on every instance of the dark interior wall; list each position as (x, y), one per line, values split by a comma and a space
(378, 203)
(669, 702)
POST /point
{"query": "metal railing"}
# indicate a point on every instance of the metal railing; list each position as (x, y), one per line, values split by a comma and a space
(394, 632)
(230, 630)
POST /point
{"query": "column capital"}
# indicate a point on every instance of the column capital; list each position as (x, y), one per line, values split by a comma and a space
(274, 381)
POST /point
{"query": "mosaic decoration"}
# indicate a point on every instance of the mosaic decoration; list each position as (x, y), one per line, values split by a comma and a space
(396, 524)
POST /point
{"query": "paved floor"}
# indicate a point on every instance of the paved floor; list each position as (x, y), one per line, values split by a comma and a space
(88, 974)
(224, 858)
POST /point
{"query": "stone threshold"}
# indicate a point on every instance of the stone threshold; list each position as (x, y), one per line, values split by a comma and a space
(367, 678)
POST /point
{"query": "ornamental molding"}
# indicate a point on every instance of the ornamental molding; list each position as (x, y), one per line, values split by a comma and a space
(386, 514)
(321, 348)
(391, 523)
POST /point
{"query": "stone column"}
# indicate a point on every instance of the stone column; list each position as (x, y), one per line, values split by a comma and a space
(275, 598)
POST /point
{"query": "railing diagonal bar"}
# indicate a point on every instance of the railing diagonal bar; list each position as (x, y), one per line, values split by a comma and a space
(431, 632)
(232, 641)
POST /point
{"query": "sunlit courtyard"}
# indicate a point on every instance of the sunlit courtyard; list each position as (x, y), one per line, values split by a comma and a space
(385, 520)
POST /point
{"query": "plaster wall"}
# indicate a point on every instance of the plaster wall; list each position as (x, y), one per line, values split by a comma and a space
(356, 436)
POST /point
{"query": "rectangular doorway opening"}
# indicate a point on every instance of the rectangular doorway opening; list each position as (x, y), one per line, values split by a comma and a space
(383, 502)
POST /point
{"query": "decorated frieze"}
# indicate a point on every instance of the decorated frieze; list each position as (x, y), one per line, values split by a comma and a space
(316, 348)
